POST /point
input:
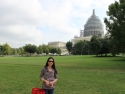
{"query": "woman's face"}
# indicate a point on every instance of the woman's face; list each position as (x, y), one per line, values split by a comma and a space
(50, 62)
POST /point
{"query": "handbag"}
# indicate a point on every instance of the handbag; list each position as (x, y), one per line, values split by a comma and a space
(37, 90)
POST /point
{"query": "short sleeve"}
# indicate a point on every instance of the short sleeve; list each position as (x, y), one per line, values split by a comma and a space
(42, 73)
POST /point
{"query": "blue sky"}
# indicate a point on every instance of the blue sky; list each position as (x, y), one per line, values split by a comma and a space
(41, 21)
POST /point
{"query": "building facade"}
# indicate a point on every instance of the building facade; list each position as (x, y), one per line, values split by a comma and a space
(61, 45)
(92, 27)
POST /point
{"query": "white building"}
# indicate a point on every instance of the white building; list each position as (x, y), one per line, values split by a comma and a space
(77, 39)
(92, 27)
(61, 45)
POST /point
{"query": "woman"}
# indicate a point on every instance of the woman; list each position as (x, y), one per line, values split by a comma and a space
(49, 76)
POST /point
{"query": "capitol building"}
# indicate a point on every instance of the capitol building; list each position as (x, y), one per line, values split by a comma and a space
(92, 27)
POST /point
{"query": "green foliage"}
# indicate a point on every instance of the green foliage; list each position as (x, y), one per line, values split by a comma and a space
(95, 45)
(45, 48)
(39, 49)
(86, 49)
(6, 49)
(104, 44)
(21, 51)
(53, 50)
(78, 47)
(1, 49)
(113, 48)
(69, 46)
(58, 51)
(115, 25)
(13, 51)
(30, 48)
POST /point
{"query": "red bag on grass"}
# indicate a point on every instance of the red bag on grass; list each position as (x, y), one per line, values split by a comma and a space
(38, 91)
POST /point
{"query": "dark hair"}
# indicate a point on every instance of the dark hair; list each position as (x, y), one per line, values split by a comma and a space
(53, 66)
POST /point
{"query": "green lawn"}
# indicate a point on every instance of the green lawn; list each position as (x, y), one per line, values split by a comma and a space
(77, 74)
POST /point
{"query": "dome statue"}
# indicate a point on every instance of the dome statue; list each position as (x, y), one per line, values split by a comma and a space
(93, 26)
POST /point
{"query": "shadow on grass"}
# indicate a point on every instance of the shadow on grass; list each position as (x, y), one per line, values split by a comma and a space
(121, 60)
(115, 58)
(104, 56)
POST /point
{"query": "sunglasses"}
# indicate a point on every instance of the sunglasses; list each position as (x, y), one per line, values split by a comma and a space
(50, 61)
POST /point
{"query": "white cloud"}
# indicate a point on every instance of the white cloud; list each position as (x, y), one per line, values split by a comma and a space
(43, 21)
(20, 35)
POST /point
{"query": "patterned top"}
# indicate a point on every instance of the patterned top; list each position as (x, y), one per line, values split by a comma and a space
(48, 75)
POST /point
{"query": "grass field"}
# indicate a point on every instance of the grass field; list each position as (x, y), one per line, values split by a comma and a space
(77, 74)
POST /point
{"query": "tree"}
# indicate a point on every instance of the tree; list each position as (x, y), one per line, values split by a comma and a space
(74, 50)
(79, 46)
(39, 49)
(53, 50)
(13, 51)
(47, 50)
(44, 47)
(58, 50)
(30, 48)
(113, 48)
(115, 25)
(104, 50)
(95, 45)
(21, 50)
(6, 49)
(69, 46)
(86, 49)
(104, 44)
(1, 49)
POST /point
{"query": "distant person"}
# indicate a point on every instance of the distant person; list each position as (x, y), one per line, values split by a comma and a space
(49, 76)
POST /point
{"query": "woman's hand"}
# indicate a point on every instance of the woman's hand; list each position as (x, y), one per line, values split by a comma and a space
(47, 83)
(51, 83)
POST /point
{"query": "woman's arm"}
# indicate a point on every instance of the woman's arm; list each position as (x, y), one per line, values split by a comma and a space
(55, 81)
(45, 81)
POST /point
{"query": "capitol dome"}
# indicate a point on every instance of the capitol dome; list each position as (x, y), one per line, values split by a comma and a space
(93, 26)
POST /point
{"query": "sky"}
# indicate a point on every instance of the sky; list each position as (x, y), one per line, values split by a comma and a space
(38, 22)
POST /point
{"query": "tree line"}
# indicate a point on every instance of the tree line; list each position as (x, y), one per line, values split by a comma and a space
(28, 49)
(96, 46)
